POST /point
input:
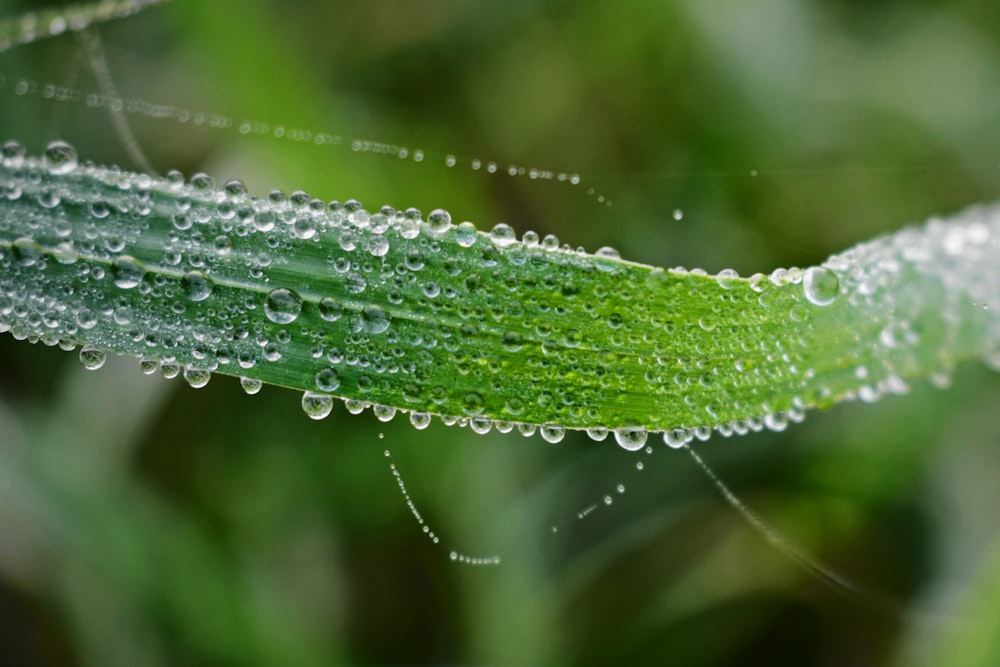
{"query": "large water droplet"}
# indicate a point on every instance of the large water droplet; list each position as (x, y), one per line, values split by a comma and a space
(503, 235)
(197, 378)
(330, 309)
(196, 285)
(552, 433)
(251, 385)
(439, 220)
(632, 439)
(374, 319)
(420, 420)
(384, 413)
(597, 433)
(282, 306)
(821, 285)
(60, 157)
(327, 380)
(317, 406)
(465, 234)
(127, 272)
(92, 357)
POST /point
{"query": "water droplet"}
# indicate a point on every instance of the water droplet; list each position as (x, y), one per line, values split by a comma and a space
(597, 433)
(384, 413)
(317, 406)
(420, 420)
(282, 306)
(632, 439)
(821, 285)
(86, 318)
(196, 285)
(250, 385)
(374, 319)
(439, 220)
(12, 154)
(197, 378)
(92, 357)
(503, 235)
(481, 425)
(465, 234)
(327, 380)
(512, 341)
(127, 272)
(473, 403)
(330, 309)
(552, 433)
(170, 370)
(60, 157)
(676, 438)
(678, 214)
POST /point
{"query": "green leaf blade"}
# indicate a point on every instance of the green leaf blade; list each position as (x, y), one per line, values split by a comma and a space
(390, 309)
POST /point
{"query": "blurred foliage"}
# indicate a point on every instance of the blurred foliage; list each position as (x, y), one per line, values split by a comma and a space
(145, 523)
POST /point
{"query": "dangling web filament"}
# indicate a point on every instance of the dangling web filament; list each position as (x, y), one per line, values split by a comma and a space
(431, 535)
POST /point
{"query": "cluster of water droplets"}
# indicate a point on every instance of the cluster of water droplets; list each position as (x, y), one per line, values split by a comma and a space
(32, 26)
(397, 312)
(23, 87)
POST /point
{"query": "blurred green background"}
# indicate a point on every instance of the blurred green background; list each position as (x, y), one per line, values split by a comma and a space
(146, 523)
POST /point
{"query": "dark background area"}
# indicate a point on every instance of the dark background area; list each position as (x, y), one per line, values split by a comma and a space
(146, 523)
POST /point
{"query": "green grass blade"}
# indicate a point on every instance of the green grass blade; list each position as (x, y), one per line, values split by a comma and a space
(32, 26)
(390, 309)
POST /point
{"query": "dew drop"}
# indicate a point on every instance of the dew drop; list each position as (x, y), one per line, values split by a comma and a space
(374, 319)
(250, 385)
(317, 406)
(631, 439)
(86, 318)
(678, 214)
(503, 235)
(127, 272)
(821, 285)
(197, 378)
(60, 157)
(597, 433)
(384, 413)
(196, 285)
(282, 306)
(327, 380)
(439, 220)
(473, 403)
(420, 420)
(92, 357)
(465, 234)
(330, 309)
(552, 433)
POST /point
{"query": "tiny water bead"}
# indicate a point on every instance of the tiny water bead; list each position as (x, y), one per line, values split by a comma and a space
(453, 555)
(282, 306)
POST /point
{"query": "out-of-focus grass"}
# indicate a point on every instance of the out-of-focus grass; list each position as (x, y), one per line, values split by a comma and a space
(148, 523)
